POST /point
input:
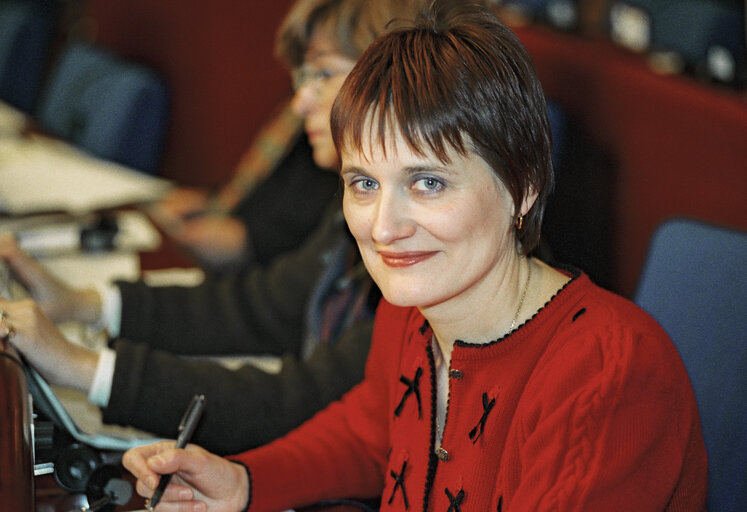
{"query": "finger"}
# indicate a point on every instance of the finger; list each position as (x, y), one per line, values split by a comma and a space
(171, 460)
(7, 331)
(177, 491)
(25, 268)
(143, 489)
(181, 506)
(192, 462)
(15, 308)
(8, 246)
(174, 491)
(176, 497)
(135, 461)
(189, 234)
(7, 242)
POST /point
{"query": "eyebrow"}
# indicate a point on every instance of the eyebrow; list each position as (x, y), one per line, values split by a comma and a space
(349, 169)
(409, 170)
(331, 56)
(316, 53)
(414, 169)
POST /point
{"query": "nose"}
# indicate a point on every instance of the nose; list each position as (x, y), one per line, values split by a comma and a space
(392, 219)
(304, 100)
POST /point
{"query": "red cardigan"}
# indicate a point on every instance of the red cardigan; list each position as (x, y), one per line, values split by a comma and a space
(586, 406)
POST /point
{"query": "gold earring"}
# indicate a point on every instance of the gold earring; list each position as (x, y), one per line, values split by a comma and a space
(519, 222)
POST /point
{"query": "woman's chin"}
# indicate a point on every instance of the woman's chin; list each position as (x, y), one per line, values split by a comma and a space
(404, 299)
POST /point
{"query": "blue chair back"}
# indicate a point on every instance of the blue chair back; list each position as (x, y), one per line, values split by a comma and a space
(694, 283)
(26, 33)
(113, 108)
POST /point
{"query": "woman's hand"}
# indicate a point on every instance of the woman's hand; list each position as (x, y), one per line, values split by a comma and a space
(25, 326)
(177, 206)
(202, 481)
(216, 239)
(184, 201)
(57, 300)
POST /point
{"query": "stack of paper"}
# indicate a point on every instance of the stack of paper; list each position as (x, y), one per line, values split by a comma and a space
(38, 174)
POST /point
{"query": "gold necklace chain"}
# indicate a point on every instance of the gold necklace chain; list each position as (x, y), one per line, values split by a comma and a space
(523, 296)
(438, 355)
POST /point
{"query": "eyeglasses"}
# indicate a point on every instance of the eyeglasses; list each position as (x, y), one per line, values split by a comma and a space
(311, 77)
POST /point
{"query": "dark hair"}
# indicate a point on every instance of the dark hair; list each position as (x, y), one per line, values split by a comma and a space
(457, 78)
(351, 24)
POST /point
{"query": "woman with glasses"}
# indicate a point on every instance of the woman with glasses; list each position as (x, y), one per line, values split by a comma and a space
(245, 222)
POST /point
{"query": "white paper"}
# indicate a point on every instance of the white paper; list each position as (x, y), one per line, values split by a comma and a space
(38, 174)
(43, 235)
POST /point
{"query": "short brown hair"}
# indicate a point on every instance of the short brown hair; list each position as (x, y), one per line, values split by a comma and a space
(458, 77)
(351, 24)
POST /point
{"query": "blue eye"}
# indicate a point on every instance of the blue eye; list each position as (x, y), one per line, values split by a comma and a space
(364, 185)
(368, 184)
(428, 184)
(431, 184)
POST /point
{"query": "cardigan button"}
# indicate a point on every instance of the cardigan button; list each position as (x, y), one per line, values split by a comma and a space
(442, 454)
(456, 374)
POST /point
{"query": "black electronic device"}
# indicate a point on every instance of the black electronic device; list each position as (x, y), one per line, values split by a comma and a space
(99, 235)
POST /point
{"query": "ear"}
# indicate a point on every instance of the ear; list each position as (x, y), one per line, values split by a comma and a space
(528, 201)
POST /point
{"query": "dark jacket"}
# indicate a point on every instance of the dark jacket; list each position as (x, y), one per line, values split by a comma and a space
(262, 310)
(276, 226)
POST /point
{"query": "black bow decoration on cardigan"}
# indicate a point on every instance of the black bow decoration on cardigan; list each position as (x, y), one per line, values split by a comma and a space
(487, 406)
(413, 386)
(399, 483)
(455, 501)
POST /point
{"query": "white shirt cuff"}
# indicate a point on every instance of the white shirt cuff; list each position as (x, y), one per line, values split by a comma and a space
(101, 387)
(111, 308)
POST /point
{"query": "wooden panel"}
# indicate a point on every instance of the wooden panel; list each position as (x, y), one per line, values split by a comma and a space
(16, 464)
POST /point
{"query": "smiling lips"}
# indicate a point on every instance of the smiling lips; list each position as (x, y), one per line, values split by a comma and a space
(404, 259)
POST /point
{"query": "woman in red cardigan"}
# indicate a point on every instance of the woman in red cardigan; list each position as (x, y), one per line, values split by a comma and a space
(495, 381)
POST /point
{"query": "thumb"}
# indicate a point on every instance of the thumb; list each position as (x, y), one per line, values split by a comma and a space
(190, 460)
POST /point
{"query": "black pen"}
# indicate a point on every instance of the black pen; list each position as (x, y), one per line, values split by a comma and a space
(186, 429)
